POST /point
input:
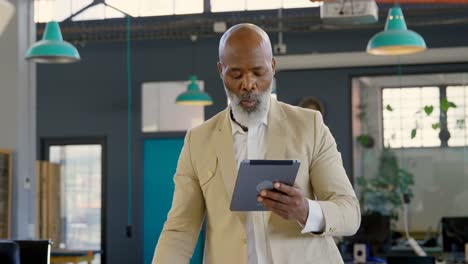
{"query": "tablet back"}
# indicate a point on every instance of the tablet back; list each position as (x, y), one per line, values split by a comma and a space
(257, 175)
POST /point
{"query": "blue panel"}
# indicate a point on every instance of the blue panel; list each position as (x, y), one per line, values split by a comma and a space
(159, 165)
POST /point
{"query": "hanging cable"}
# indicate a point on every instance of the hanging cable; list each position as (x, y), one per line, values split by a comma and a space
(129, 131)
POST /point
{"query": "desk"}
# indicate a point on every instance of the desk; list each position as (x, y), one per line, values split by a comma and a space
(60, 256)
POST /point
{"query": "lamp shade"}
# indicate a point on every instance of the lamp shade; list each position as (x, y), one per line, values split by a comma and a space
(396, 39)
(193, 95)
(52, 48)
(6, 12)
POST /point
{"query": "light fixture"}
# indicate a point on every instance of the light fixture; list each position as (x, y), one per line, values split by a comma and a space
(6, 12)
(52, 48)
(193, 95)
(396, 39)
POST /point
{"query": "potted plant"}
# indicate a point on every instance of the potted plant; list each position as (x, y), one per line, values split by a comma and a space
(385, 193)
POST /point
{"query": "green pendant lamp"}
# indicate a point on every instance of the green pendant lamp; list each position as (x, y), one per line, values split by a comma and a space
(52, 48)
(396, 39)
(193, 95)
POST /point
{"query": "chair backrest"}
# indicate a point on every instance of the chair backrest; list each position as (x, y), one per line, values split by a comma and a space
(34, 251)
(410, 260)
(9, 252)
(374, 231)
(454, 233)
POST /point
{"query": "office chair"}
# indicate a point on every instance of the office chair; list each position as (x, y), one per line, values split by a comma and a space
(9, 252)
(410, 260)
(34, 251)
(454, 233)
(375, 232)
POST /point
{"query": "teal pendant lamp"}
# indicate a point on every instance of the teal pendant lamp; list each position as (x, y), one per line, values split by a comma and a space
(396, 39)
(52, 48)
(193, 95)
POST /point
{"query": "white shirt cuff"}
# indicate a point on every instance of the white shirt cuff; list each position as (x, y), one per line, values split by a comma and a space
(315, 221)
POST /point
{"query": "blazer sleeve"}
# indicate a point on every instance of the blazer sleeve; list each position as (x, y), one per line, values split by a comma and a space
(331, 185)
(180, 232)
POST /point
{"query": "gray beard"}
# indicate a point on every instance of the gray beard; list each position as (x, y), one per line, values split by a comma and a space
(249, 117)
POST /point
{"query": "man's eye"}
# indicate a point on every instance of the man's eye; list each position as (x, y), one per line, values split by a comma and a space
(259, 73)
(237, 77)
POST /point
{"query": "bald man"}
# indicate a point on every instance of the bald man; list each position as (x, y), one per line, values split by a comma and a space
(302, 219)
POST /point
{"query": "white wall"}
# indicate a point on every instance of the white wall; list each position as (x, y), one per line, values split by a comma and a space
(18, 113)
(8, 85)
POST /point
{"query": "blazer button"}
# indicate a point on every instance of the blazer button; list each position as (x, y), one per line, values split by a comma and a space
(244, 240)
(210, 173)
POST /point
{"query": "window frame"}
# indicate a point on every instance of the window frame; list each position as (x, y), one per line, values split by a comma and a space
(442, 94)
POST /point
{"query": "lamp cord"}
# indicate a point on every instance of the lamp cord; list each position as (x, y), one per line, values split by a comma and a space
(193, 38)
(129, 128)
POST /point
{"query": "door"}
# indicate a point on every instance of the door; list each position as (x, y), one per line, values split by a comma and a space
(160, 163)
(82, 170)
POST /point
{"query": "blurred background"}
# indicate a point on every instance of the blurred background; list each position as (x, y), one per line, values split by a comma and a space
(91, 128)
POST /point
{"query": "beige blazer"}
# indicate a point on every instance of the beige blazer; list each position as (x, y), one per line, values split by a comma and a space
(205, 179)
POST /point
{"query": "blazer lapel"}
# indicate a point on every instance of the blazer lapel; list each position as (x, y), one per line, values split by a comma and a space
(225, 153)
(275, 138)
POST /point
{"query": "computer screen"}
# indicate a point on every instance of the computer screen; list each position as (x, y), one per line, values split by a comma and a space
(454, 233)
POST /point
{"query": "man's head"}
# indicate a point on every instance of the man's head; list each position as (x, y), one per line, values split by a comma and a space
(246, 66)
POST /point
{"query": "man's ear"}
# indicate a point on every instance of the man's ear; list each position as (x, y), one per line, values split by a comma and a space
(273, 65)
(220, 70)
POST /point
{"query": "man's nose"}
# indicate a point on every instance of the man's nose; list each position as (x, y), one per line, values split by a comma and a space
(249, 83)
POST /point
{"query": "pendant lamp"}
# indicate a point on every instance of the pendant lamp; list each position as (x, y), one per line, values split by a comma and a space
(396, 39)
(6, 12)
(193, 95)
(52, 48)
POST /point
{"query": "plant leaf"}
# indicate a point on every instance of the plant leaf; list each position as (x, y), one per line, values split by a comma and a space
(445, 105)
(428, 109)
(362, 116)
(389, 108)
(413, 133)
(363, 140)
(435, 126)
(461, 123)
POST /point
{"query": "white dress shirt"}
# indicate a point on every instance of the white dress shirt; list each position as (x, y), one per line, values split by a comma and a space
(251, 145)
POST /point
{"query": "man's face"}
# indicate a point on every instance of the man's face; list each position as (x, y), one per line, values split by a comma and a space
(247, 72)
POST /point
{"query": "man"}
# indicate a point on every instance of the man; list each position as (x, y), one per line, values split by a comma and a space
(302, 221)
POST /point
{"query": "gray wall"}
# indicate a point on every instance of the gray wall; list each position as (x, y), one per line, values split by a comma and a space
(89, 99)
(18, 115)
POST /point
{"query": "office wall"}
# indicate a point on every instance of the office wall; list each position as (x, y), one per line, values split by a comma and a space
(8, 85)
(89, 99)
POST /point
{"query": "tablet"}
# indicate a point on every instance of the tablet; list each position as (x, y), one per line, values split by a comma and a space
(257, 175)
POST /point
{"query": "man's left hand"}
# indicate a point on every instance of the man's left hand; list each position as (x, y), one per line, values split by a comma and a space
(289, 204)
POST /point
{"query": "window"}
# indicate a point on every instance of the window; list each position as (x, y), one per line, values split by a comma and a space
(160, 113)
(59, 10)
(412, 116)
(229, 5)
(404, 115)
(81, 193)
(457, 117)
(97, 12)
